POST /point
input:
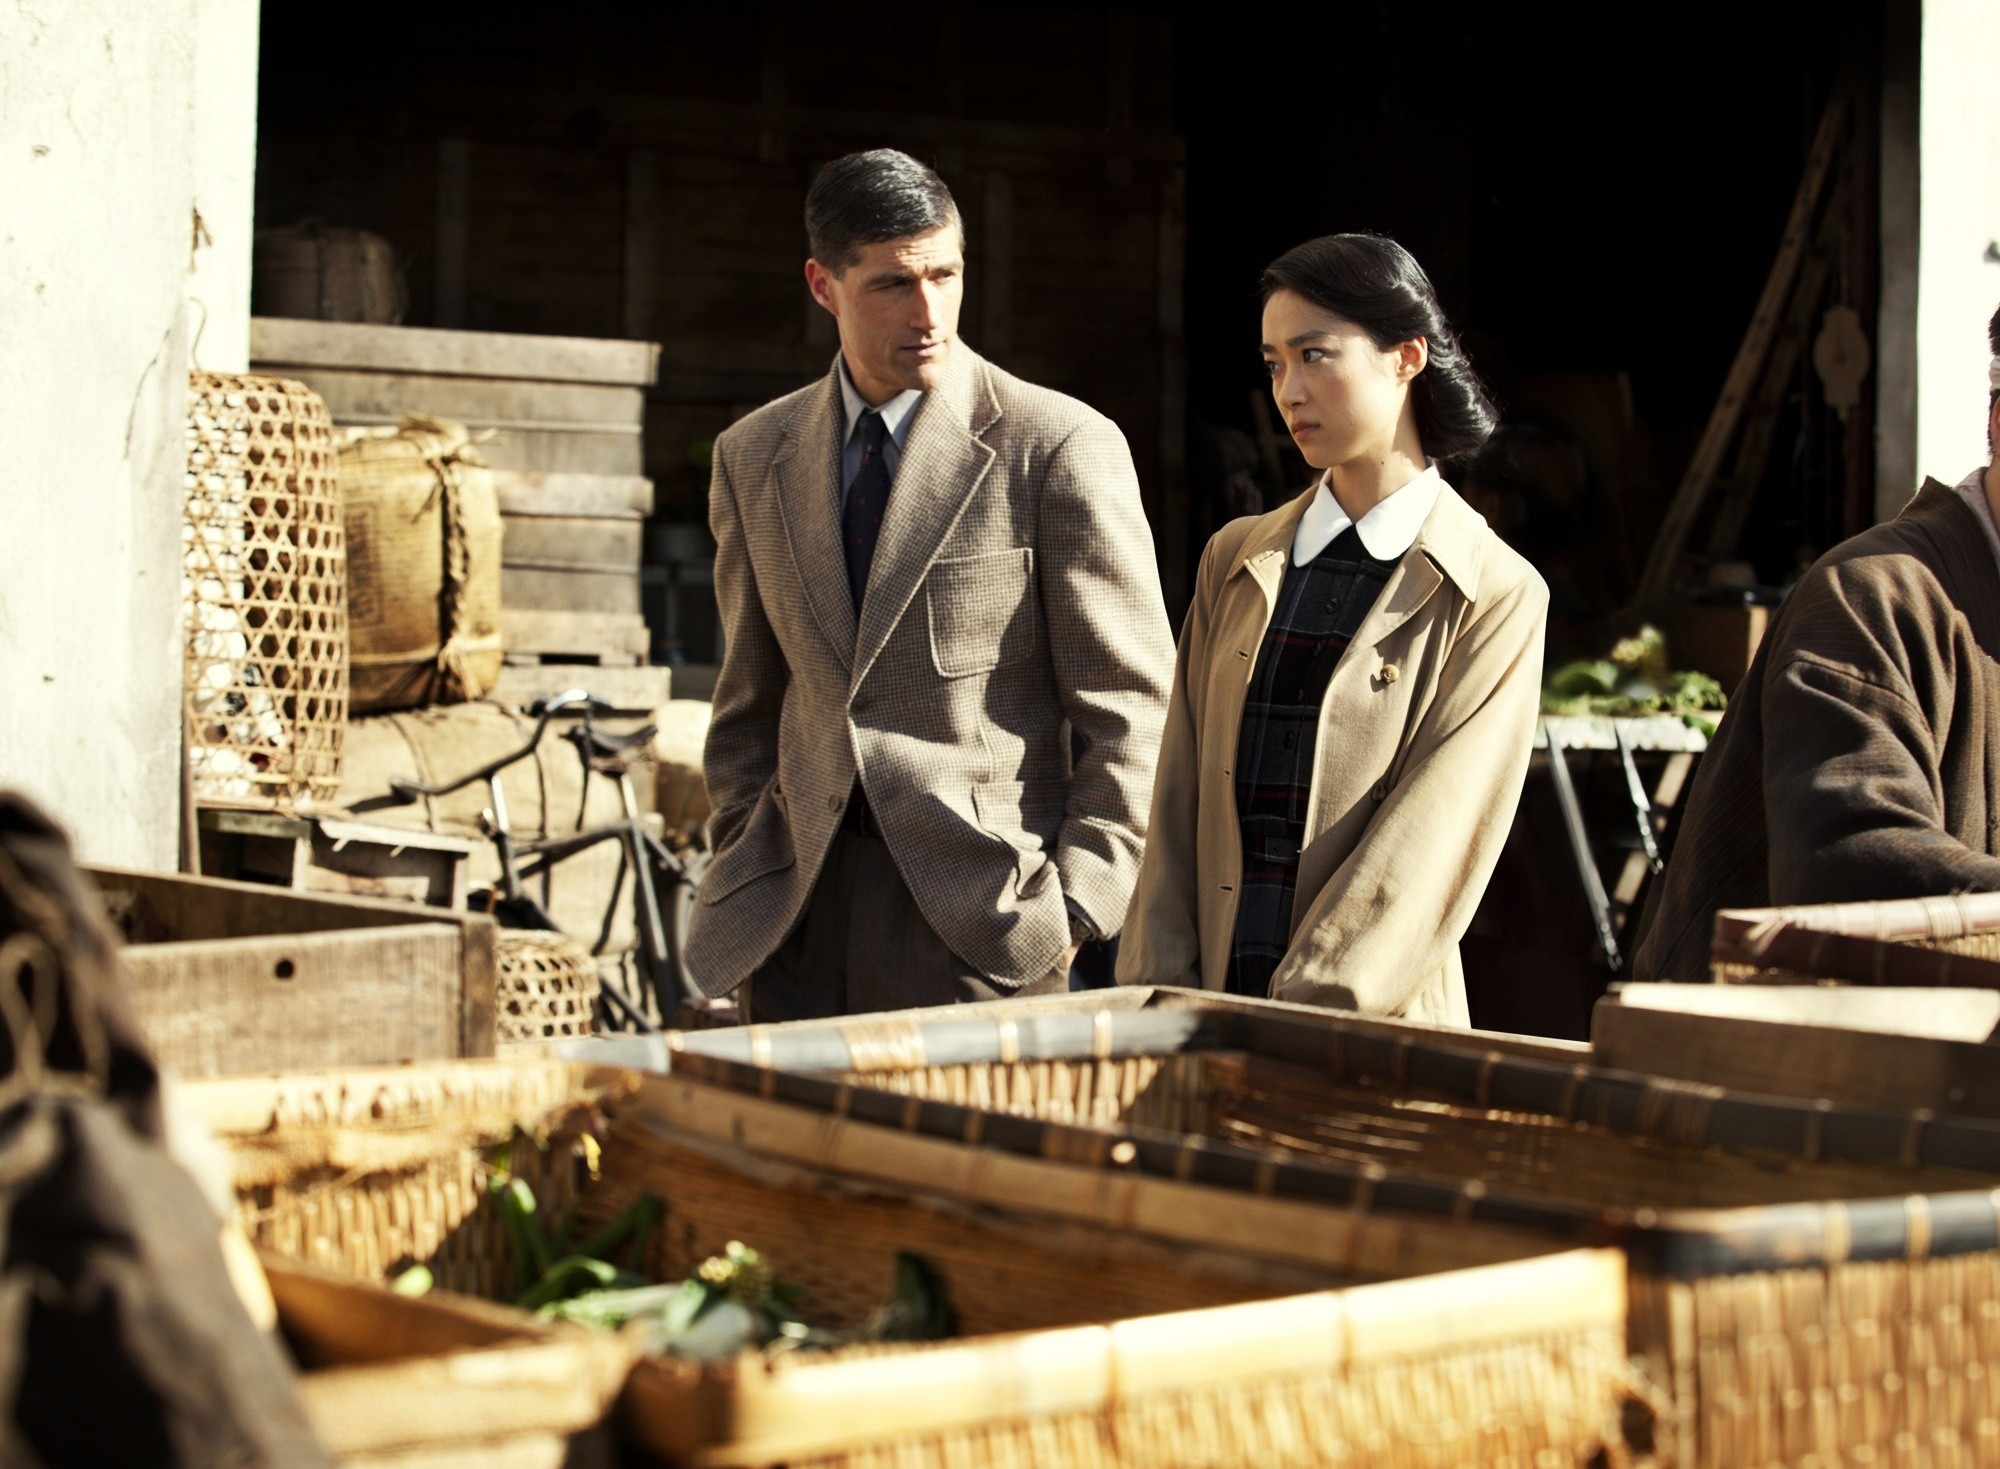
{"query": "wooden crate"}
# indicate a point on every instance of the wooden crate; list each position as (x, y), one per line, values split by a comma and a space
(234, 977)
(561, 420)
(1486, 1344)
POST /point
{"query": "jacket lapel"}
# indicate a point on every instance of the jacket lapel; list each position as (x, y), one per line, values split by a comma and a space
(806, 470)
(944, 461)
(1447, 548)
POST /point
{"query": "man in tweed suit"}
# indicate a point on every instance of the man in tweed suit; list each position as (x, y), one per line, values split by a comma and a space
(946, 660)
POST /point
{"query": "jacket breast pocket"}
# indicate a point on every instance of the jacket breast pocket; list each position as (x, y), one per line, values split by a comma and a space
(982, 611)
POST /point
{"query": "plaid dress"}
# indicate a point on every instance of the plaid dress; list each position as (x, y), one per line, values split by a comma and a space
(1320, 606)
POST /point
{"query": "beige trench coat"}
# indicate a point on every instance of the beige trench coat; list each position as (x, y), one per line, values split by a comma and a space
(1422, 750)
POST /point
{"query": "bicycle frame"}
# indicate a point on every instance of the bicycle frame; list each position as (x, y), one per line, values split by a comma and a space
(645, 854)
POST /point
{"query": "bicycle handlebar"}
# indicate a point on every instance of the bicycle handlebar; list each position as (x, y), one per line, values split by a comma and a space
(544, 710)
(569, 699)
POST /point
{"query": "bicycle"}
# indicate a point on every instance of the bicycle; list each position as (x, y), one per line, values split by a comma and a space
(651, 862)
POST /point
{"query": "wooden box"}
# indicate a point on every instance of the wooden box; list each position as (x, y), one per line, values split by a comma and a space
(560, 420)
(233, 977)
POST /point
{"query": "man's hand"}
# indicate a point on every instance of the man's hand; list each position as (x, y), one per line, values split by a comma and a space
(1080, 933)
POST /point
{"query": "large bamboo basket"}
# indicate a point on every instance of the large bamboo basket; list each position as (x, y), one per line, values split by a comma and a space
(1943, 941)
(1109, 1317)
(1812, 1283)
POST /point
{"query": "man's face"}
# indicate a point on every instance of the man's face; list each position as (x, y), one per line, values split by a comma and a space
(897, 309)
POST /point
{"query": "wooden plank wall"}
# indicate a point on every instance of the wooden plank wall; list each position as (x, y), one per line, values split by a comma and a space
(646, 179)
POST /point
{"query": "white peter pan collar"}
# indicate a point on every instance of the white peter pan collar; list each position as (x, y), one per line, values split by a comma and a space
(1387, 531)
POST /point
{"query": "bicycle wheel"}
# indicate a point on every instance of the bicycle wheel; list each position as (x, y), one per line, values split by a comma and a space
(677, 910)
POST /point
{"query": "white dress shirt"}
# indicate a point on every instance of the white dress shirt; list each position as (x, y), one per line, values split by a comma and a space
(1972, 490)
(896, 416)
(1387, 531)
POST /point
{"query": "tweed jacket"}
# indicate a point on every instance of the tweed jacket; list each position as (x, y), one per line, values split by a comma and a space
(1422, 750)
(1860, 757)
(999, 697)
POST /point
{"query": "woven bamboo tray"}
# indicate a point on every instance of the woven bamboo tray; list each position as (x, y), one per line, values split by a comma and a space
(445, 1382)
(1518, 1358)
(1809, 1281)
(1942, 941)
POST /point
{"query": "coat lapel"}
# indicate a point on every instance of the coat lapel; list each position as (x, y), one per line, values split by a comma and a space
(806, 470)
(944, 461)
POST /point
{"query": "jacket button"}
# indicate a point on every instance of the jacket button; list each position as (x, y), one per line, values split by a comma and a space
(1390, 673)
(1381, 791)
(834, 803)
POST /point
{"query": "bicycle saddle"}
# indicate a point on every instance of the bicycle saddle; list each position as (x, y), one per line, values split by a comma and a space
(609, 753)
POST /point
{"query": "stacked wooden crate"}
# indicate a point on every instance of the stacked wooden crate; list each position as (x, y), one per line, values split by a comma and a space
(560, 420)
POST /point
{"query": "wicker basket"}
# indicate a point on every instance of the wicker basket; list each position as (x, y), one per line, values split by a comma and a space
(264, 583)
(1809, 1281)
(1519, 1357)
(444, 1382)
(545, 989)
(1942, 941)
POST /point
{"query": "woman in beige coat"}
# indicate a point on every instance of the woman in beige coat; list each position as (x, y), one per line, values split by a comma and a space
(1356, 690)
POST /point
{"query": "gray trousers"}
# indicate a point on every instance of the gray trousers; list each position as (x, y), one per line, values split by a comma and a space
(863, 945)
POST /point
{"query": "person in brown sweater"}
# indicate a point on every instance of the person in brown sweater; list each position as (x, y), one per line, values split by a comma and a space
(1858, 759)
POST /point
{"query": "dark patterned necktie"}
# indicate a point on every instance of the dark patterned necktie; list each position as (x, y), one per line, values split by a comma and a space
(867, 499)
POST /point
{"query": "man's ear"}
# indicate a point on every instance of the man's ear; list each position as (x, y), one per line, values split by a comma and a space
(819, 280)
(1993, 428)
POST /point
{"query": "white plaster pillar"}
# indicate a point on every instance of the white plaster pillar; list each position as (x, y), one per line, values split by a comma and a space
(97, 174)
(225, 176)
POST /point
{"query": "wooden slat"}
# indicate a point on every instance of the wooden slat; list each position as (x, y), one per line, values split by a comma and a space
(635, 690)
(538, 631)
(605, 496)
(582, 541)
(1897, 1073)
(356, 396)
(292, 1001)
(282, 342)
(564, 590)
(1941, 1014)
(562, 449)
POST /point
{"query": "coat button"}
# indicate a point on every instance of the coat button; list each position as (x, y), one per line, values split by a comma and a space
(1381, 791)
(1390, 673)
(834, 803)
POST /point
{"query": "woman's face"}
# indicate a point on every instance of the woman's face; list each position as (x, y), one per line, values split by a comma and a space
(1342, 397)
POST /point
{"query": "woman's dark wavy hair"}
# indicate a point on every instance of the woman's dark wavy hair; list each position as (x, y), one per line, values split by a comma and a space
(1375, 283)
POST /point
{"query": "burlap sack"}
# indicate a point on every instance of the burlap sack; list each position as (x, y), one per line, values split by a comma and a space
(679, 793)
(423, 566)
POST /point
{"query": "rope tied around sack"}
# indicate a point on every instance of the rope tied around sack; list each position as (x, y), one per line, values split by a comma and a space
(445, 448)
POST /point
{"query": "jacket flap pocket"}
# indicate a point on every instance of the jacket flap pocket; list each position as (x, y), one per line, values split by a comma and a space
(756, 854)
(982, 611)
(1026, 814)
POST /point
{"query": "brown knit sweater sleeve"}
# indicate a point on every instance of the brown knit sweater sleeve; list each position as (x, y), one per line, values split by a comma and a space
(1874, 776)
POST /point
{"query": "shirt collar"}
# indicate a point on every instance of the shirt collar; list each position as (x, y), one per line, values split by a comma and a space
(895, 413)
(1387, 531)
(1972, 490)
